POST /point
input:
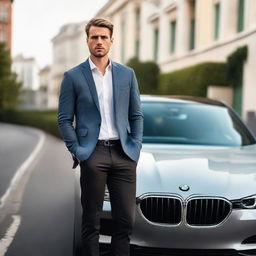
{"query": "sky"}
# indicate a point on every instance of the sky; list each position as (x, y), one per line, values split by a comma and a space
(36, 22)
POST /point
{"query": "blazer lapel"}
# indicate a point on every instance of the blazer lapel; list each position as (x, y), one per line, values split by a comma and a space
(88, 75)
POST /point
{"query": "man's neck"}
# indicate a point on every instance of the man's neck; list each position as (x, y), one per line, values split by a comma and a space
(100, 63)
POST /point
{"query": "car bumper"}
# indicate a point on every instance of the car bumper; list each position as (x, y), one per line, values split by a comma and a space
(240, 225)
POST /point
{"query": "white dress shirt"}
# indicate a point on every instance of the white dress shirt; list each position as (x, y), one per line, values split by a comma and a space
(104, 87)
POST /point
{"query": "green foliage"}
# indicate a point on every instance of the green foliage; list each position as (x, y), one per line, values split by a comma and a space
(9, 88)
(5, 61)
(235, 65)
(45, 120)
(147, 74)
(193, 80)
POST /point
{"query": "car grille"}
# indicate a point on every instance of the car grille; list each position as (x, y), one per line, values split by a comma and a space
(207, 211)
(198, 211)
(161, 209)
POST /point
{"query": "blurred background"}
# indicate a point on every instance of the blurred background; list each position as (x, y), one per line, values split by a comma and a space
(203, 48)
(177, 47)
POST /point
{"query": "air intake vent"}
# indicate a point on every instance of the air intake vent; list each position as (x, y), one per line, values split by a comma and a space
(161, 209)
(250, 240)
(207, 211)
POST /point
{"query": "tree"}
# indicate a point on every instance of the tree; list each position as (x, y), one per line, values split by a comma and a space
(9, 87)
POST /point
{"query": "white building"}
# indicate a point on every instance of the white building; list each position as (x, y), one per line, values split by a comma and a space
(69, 49)
(27, 72)
(44, 92)
(181, 33)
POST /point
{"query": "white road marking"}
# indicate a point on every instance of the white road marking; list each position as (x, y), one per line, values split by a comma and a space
(10, 234)
(20, 172)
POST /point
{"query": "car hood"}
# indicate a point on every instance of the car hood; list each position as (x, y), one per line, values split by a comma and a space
(228, 172)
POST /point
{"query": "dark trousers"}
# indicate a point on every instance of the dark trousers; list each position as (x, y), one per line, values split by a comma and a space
(108, 165)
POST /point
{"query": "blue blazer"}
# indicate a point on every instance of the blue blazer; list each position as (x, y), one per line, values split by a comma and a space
(78, 100)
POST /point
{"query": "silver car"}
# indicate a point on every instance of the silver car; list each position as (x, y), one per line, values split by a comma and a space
(196, 181)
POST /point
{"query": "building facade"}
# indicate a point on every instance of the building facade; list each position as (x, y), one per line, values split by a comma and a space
(27, 72)
(6, 22)
(182, 33)
(44, 83)
(69, 49)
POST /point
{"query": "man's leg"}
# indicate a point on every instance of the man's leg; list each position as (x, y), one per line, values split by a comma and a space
(122, 188)
(93, 180)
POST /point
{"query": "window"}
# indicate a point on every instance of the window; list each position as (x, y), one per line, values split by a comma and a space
(240, 16)
(192, 34)
(192, 123)
(173, 36)
(137, 33)
(156, 39)
(123, 32)
(216, 21)
(4, 12)
(192, 25)
(3, 34)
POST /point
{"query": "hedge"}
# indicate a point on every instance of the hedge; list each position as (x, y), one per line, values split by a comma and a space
(44, 120)
(235, 63)
(193, 80)
(147, 74)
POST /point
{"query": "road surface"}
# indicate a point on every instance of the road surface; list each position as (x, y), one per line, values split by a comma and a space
(17, 143)
(38, 214)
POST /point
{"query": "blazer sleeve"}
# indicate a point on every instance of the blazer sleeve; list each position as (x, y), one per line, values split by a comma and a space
(66, 113)
(135, 112)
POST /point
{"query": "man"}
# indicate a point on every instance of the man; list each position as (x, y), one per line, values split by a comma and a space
(103, 97)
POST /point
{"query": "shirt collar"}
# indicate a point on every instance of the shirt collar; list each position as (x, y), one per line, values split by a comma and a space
(93, 66)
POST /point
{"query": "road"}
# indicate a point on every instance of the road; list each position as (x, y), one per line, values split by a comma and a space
(17, 143)
(37, 216)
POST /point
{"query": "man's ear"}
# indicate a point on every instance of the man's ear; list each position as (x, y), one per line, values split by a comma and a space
(112, 39)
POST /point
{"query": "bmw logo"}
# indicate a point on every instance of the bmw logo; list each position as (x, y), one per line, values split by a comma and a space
(184, 187)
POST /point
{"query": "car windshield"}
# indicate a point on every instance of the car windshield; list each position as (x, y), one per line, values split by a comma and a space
(192, 123)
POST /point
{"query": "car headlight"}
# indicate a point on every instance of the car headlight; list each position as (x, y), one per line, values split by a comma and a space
(106, 195)
(245, 203)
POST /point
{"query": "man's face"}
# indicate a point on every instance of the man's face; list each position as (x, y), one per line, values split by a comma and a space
(99, 41)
